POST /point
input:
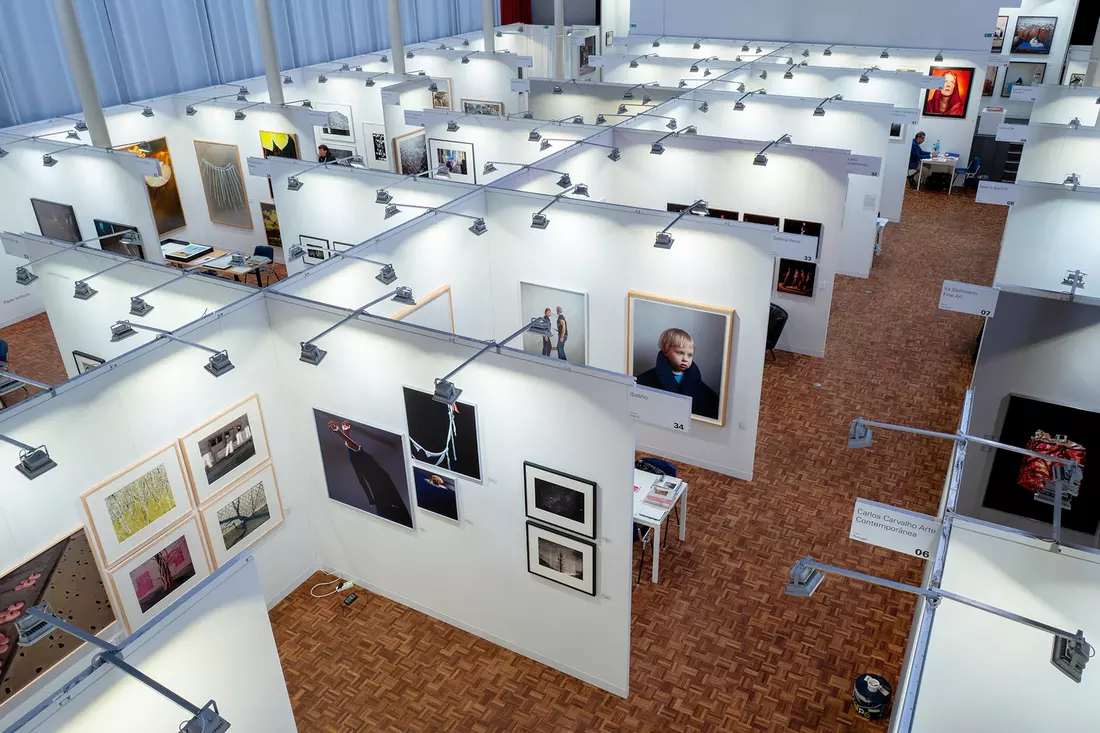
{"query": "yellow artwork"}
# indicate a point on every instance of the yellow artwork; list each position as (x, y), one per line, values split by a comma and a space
(140, 503)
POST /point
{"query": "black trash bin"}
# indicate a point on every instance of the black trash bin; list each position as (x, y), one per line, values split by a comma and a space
(872, 696)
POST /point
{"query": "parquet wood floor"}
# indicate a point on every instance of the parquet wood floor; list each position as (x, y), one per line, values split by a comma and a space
(716, 646)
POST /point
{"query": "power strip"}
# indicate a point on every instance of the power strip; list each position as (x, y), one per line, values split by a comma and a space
(343, 586)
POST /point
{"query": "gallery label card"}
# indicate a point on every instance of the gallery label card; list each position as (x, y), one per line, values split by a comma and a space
(525, 61)
(258, 167)
(391, 97)
(895, 529)
(990, 192)
(864, 165)
(1012, 133)
(794, 246)
(905, 115)
(597, 62)
(143, 165)
(966, 298)
(414, 117)
(522, 86)
(997, 60)
(1023, 93)
(663, 409)
(932, 82)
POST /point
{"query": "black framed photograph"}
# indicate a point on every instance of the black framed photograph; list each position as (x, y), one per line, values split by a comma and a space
(316, 249)
(556, 498)
(56, 221)
(771, 221)
(568, 561)
(112, 238)
(1034, 34)
(86, 362)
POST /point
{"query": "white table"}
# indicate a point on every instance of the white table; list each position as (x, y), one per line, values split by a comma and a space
(653, 516)
(946, 164)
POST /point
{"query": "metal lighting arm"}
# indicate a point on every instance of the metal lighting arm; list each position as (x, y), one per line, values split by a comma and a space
(69, 247)
(129, 260)
(354, 314)
(161, 333)
(557, 198)
(436, 209)
(5, 375)
(186, 273)
(16, 443)
(444, 382)
(689, 210)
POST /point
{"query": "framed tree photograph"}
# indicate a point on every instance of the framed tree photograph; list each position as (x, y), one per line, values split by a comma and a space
(225, 448)
(565, 560)
(238, 517)
(559, 499)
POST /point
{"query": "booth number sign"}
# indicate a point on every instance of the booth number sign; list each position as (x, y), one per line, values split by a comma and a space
(895, 529)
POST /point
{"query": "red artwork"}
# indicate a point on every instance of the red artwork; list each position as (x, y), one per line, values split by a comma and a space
(951, 100)
(1036, 473)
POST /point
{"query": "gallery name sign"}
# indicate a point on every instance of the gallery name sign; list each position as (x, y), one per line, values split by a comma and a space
(521, 86)
(1023, 93)
(663, 409)
(1012, 133)
(864, 165)
(895, 529)
(596, 62)
(414, 117)
(966, 298)
(905, 115)
(996, 193)
(794, 247)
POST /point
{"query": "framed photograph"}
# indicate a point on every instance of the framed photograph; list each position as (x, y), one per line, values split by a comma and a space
(280, 145)
(237, 518)
(435, 310)
(66, 576)
(1026, 73)
(86, 362)
(411, 152)
(999, 32)
(129, 509)
(1018, 483)
(796, 277)
(442, 99)
(109, 243)
(164, 194)
(568, 314)
(1034, 34)
(456, 157)
(316, 249)
(365, 468)
(804, 228)
(436, 492)
(608, 39)
(56, 221)
(482, 107)
(561, 500)
(568, 561)
(713, 212)
(154, 576)
(339, 129)
(681, 347)
(771, 221)
(223, 184)
(897, 130)
(270, 216)
(443, 436)
(951, 100)
(225, 448)
(990, 83)
(587, 49)
(376, 142)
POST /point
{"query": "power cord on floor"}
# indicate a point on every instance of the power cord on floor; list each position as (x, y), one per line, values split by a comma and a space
(342, 586)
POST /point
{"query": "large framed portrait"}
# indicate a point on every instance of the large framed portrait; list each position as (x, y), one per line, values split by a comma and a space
(681, 347)
(1034, 34)
(444, 436)
(411, 152)
(568, 314)
(999, 32)
(237, 518)
(225, 448)
(129, 509)
(223, 184)
(568, 561)
(457, 158)
(952, 99)
(56, 221)
(556, 498)
(164, 194)
(1024, 73)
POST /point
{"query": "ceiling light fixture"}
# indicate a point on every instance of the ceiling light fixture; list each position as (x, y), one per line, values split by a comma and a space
(312, 354)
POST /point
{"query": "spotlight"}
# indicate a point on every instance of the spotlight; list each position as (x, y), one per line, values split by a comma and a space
(147, 112)
(138, 307)
(190, 111)
(534, 136)
(500, 35)
(578, 120)
(72, 135)
(433, 87)
(370, 82)
(614, 155)
(143, 146)
(656, 149)
(600, 119)
(288, 79)
(386, 275)
(704, 107)
(581, 189)
(4, 153)
(784, 139)
(805, 53)
(239, 116)
(1075, 123)
(628, 95)
(759, 50)
(558, 90)
(884, 54)
(1072, 182)
(219, 364)
(565, 181)
(293, 183)
(787, 74)
(671, 124)
(741, 87)
(485, 170)
(409, 55)
(539, 221)
(49, 161)
(446, 392)
(23, 276)
(737, 59)
(465, 59)
(859, 434)
(34, 463)
(391, 211)
(739, 106)
(1070, 654)
(760, 159)
(827, 52)
(242, 96)
(442, 172)
(382, 196)
(312, 354)
(664, 241)
(296, 251)
(646, 99)
(83, 291)
(706, 72)
(690, 130)
(803, 580)
(465, 41)
(622, 109)
(307, 103)
(385, 59)
(696, 46)
(864, 79)
(681, 84)
(545, 145)
(81, 126)
(819, 111)
(764, 74)
(694, 68)
(939, 57)
(479, 227)
(656, 44)
(452, 126)
(745, 48)
(122, 330)
(633, 63)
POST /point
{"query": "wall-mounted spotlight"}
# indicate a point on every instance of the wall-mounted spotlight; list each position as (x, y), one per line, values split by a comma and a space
(539, 220)
(819, 110)
(293, 183)
(698, 44)
(658, 148)
(534, 136)
(739, 105)
(49, 161)
(190, 111)
(322, 79)
(146, 111)
(1072, 182)
(885, 54)
(288, 79)
(759, 50)
(805, 53)
(745, 48)
(704, 107)
(789, 73)
(761, 158)
(392, 209)
(866, 75)
(664, 240)
(657, 43)
(239, 116)
(447, 393)
(4, 153)
(33, 462)
(218, 364)
(828, 51)
(939, 56)
(558, 90)
(466, 59)
(83, 291)
(452, 126)
(312, 354)
(409, 55)
(1075, 123)
(764, 74)
(370, 79)
(634, 61)
(695, 65)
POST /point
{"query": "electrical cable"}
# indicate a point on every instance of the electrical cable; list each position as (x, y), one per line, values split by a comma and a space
(325, 595)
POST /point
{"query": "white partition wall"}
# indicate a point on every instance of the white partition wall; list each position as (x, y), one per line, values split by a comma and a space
(588, 99)
(1059, 104)
(483, 78)
(1054, 151)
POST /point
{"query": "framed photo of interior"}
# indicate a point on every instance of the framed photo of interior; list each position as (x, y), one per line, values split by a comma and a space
(562, 559)
(989, 85)
(339, 129)
(132, 507)
(441, 98)
(148, 580)
(456, 157)
(164, 194)
(482, 107)
(568, 314)
(1034, 34)
(796, 277)
(85, 362)
(223, 184)
(999, 32)
(950, 101)
(56, 221)
(681, 347)
(411, 152)
(443, 436)
(559, 499)
(436, 492)
(225, 448)
(237, 518)
(111, 238)
(1026, 73)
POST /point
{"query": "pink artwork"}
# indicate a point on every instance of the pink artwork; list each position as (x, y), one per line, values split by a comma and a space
(161, 574)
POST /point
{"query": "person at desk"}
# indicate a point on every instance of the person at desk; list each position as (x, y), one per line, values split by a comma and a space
(916, 155)
(324, 155)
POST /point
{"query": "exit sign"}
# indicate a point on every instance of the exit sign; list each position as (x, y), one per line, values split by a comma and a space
(988, 35)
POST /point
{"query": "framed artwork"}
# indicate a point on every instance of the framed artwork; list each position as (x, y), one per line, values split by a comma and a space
(316, 249)
(999, 32)
(456, 157)
(164, 194)
(436, 492)
(771, 221)
(442, 98)
(411, 152)
(435, 310)
(681, 347)
(804, 228)
(609, 39)
(223, 184)
(108, 243)
(1025, 73)
(482, 107)
(990, 82)
(443, 436)
(225, 448)
(365, 467)
(56, 221)
(568, 561)
(1017, 483)
(587, 49)
(568, 313)
(270, 217)
(376, 142)
(86, 362)
(561, 500)
(951, 100)
(66, 578)
(341, 154)
(149, 580)
(712, 212)
(129, 509)
(339, 128)
(1034, 34)
(279, 144)
(237, 519)
(897, 130)
(796, 277)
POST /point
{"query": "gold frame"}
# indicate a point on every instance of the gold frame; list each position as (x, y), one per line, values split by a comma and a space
(183, 214)
(228, 490)
(244, 187)
(397, 149)
(435, 294)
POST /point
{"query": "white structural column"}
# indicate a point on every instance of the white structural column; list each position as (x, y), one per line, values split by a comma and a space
(82, 73)
(397, 39)
(487, 21)
(559, 39)
(266, 31)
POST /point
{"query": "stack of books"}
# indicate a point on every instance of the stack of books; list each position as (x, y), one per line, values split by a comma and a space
(663, 493)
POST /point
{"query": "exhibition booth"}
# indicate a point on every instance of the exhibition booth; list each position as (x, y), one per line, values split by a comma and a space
(1055, 151)
(1061, 104)
(556, 100)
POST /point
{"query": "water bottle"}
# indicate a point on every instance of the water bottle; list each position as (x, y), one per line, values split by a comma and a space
(936, 148)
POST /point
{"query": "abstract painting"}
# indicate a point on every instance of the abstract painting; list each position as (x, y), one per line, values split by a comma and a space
(85, 362)
(999, 32)
(990, 82)
(952, 99)
(271, 224)
(568, 314)
(236, 519)
(556, 498)
(897, 129)
(223, 184)
(482, 107)
(1018, 483)
(108, 243)
(164, 194)
(771, 221)
(443, 436)
(225, 448)
(131, 508)
(1024, 73)
(56, 221)
(279, 144)
(160, 572)
(1034, 34)
(66, 580)
(796, 277)
(339, 123)
(457, 158)
(436, 493)
(411, 152)
(365, 467)
(441, 99)
(565, 560)
(681, 347)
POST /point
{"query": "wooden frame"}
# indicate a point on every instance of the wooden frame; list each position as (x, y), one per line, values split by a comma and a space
(429, 298)
(583, 486)
(262, 452)
(250, 539)
(133, 148)
(397, 151)
(581, 545)
(240, 174)
(450, 93)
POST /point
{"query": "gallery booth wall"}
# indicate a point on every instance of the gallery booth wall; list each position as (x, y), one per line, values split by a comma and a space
(1063, 12)
(1059, 104)
(588, 99)
(1053, 151)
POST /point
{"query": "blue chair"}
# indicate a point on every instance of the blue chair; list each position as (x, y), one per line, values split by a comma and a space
(263, 250)
(661, 467)
(3, 353)
(969, 172)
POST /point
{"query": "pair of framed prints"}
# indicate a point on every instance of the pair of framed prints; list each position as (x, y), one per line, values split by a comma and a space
(558, 501)
(162, 525)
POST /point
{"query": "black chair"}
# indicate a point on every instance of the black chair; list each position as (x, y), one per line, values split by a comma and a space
(777, 319)
(263, 250)
(661, 467)
(641, 534)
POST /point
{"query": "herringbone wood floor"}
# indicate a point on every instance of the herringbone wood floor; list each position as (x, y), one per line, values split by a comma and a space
(717, 646)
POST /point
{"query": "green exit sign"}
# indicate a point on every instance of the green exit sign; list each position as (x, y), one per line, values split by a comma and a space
(633, 25)
(988, 35)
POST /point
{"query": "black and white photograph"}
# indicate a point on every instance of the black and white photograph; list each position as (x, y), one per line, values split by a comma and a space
(225, 448)
(85, 362)
(456, 158)
(559, 499)
(568, 561)
(436, 492)
(56, 221)
(482, 107)
(339, 129)
(568, 314)
(897, 130)
(443, 436)
(588, 49)
(411, 152)
(441, 98)
(315, 247)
